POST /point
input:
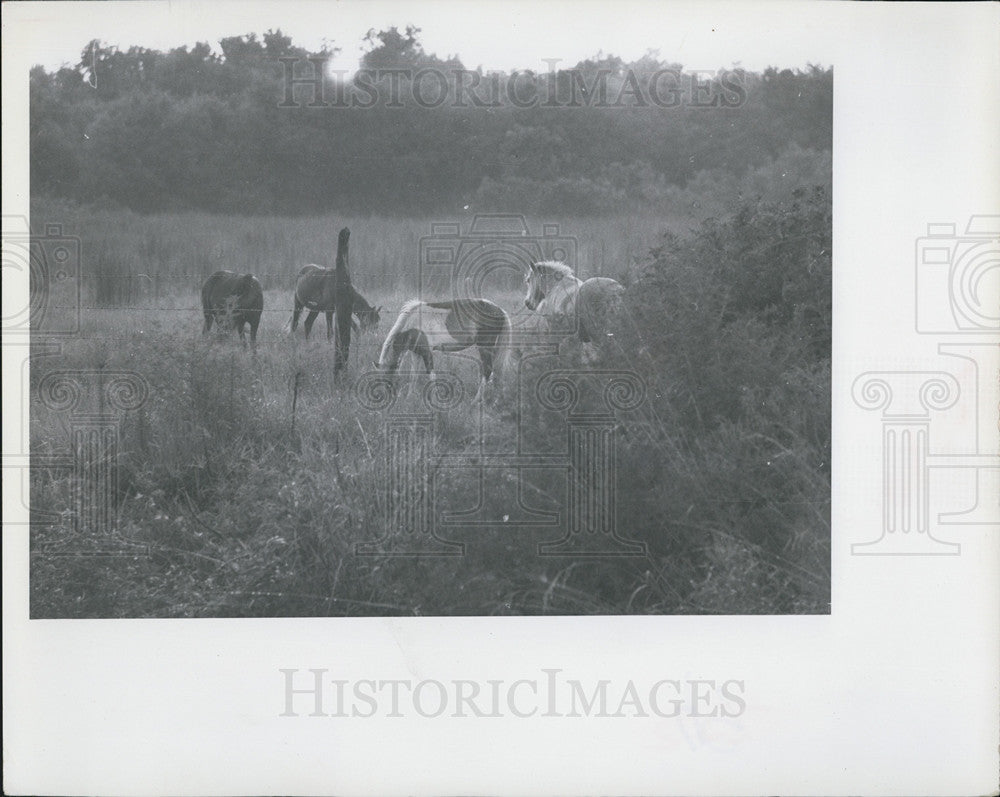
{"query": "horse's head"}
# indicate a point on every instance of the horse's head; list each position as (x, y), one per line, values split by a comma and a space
(369, 318)
(387, 363)
(533, 283)
(540, 279)
(387, 360)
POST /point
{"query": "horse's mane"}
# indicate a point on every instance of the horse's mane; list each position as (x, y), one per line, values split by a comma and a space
(555, 267)
(405, 312)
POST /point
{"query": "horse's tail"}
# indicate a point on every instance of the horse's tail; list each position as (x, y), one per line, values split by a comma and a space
(206, 292)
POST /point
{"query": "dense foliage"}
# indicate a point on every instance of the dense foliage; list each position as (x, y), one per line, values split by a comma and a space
(203, 128)
(733, 327)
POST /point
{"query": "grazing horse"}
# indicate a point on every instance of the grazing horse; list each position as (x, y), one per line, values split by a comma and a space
(316, 291)
(228, 295)
(425, 327)
(555, 293)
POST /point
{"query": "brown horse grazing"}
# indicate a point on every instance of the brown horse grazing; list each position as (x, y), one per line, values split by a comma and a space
(227, 295)
(316, 291)
(425, 327)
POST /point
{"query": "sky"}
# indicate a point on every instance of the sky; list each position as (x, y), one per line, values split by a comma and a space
(516, 34)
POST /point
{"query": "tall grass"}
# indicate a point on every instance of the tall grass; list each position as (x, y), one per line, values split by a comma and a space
(246, 481)
(132, 259)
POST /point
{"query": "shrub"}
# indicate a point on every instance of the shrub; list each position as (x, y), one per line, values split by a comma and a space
(733, 326)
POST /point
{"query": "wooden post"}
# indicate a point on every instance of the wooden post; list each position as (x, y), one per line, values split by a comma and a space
(343, 304)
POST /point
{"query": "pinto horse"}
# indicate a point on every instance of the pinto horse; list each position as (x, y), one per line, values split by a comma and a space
(227, 295)
(316, 291)
(556, 293)
(425, 327)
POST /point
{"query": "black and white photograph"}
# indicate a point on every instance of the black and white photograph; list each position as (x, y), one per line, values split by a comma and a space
(576, 352)
(595, 375)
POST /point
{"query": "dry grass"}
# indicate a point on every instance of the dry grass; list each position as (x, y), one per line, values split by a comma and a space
(246, 481)
(132, 259)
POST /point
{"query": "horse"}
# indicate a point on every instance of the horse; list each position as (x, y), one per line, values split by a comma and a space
(316, 291)
(228, 295)
(555, 292)
(453, 326)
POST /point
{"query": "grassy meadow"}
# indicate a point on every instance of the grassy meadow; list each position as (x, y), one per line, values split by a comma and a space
(133, 259)
(245, 481)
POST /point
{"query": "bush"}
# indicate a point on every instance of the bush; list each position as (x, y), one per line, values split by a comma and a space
(733, 326)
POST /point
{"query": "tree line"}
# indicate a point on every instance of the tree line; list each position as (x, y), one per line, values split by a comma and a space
(240, 129)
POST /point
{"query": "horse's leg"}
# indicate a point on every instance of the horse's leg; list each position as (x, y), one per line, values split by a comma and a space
(296, 312)
(588, 321)
(423, 350)
(239, 322)
(209, 316)
(310, 319)
(411, 375)
(427, 356)
(329, 326)
(254, 323)
(408, 343)
(486, 370)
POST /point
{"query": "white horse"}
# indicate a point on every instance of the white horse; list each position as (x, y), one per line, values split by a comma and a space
(581, 307)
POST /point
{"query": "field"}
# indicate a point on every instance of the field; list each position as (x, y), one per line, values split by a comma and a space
(243, 484)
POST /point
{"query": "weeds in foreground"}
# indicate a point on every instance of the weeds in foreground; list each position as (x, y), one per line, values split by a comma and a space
(245, 482)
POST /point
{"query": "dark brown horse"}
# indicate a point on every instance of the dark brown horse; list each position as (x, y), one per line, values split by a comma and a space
(228, 296)
(329, 291)
(316, 292)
